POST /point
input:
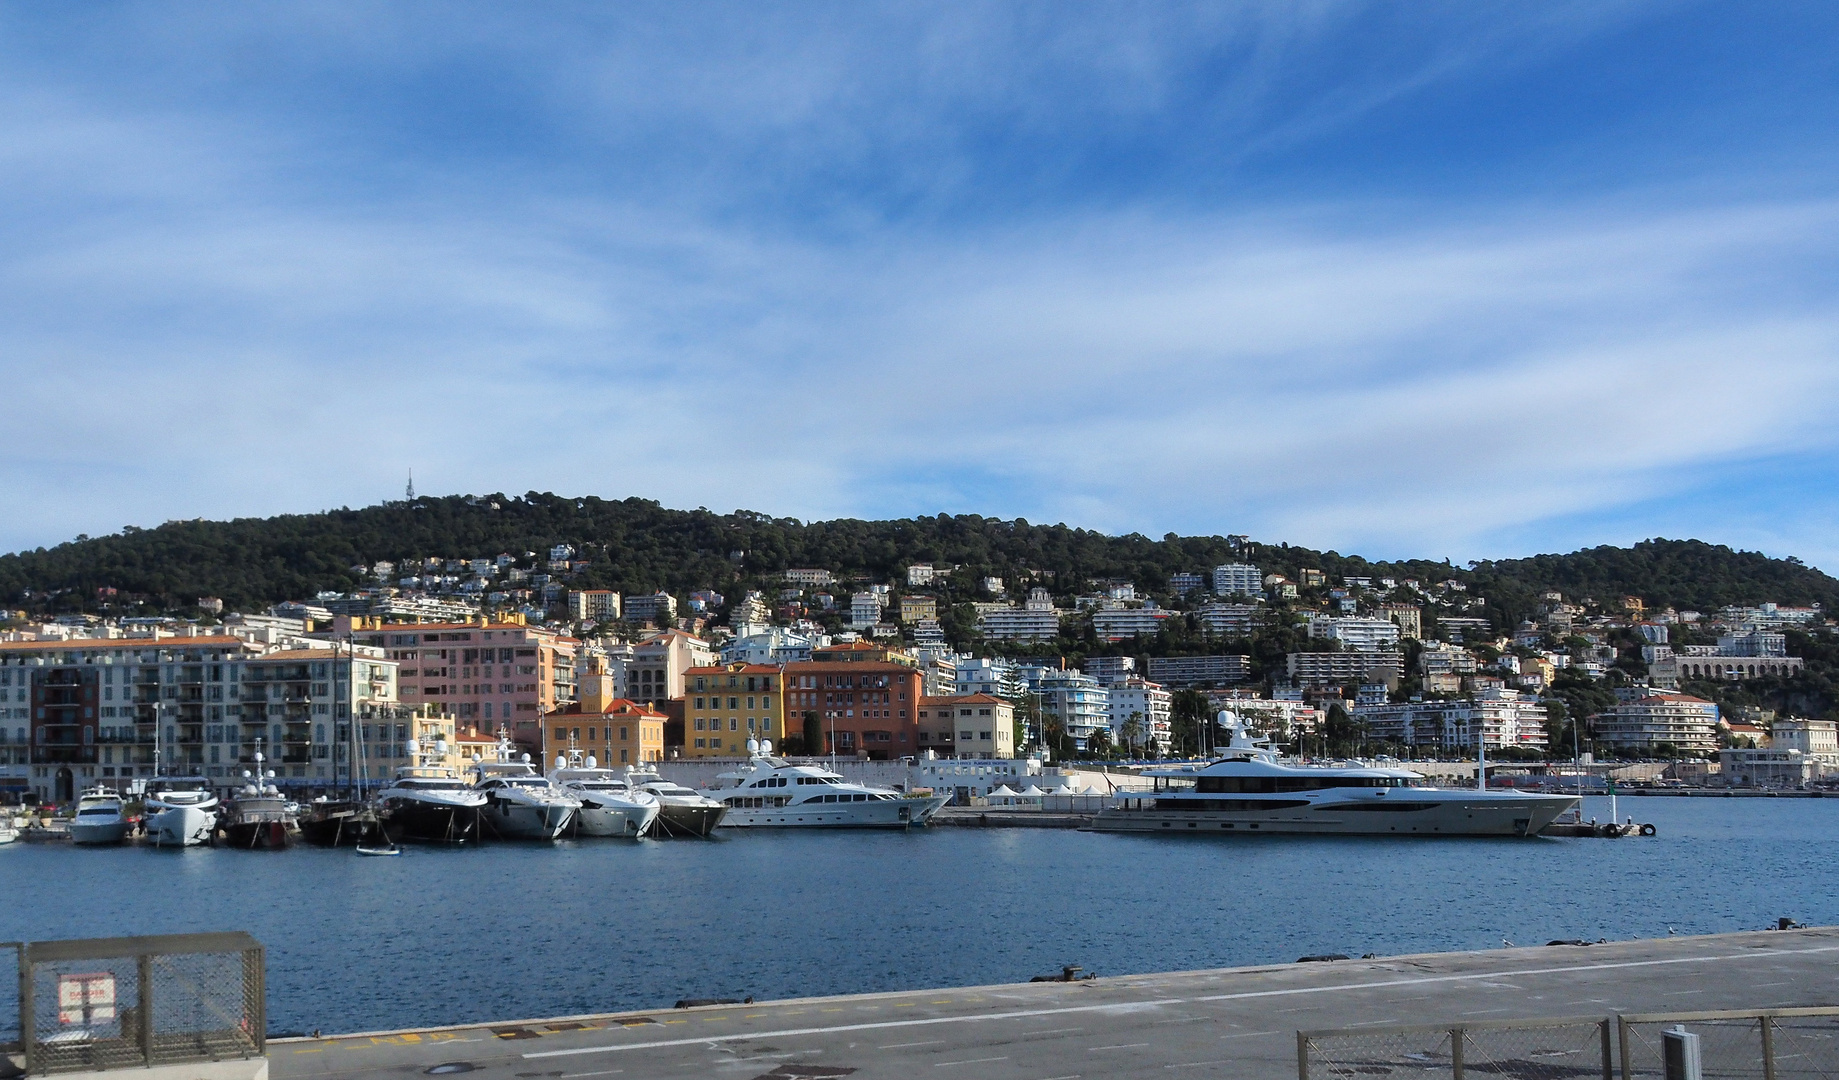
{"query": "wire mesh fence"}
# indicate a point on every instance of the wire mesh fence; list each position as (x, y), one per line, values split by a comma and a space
(129, 1002)
(1550, 1049)
(9, 1002)
(1773, 1044)
(1763, 1044)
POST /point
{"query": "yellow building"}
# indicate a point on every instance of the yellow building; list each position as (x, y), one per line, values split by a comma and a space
(915, 608)
(614, 731)
(726, 704)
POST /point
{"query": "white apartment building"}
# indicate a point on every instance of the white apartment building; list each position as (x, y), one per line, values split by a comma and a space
(593, 605)
(920, 574)
(78, 712)
(1149, 703)
(1185, 671)
(1686, 722)
(988, 675)
(1360, 635)
(1109, 669)
(1117, 625)
(809, 577)
(1230, 620)
(1818, 739)
(1331, 668)
(865, 608)
(1238, 579)
(1081, 704)
(1501, 718)
(1035, 620)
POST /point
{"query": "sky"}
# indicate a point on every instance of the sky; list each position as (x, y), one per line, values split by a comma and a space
(1406, 280)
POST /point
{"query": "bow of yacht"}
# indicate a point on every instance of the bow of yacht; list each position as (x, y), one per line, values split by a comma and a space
(610, 805)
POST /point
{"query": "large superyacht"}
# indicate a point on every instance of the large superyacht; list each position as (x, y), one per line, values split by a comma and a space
(1248, 789)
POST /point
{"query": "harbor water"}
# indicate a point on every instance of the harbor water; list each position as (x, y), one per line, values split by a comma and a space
(511, 931)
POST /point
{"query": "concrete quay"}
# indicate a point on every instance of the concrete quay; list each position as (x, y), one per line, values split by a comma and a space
(1236, 1022)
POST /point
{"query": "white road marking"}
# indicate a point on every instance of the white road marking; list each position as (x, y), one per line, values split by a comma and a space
(1484, 1012)
(1249, 1034)
(1053, 1031)
(970, 1061)
(1129, 1006)
(1196, 1064)
(1119, 1046)
(900, 1046)
(604, 1072)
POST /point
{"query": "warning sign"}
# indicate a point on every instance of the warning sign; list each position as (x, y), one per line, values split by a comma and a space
(86, 999)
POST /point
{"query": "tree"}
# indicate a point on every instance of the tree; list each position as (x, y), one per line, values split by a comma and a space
(1188, 711)
(814, 734)
(1132, 731)
(1341, 731)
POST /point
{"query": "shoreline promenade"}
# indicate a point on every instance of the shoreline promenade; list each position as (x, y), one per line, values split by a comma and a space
(1238, 1022)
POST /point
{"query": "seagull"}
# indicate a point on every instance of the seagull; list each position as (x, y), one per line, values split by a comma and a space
(1506, 944)
(1671, 932)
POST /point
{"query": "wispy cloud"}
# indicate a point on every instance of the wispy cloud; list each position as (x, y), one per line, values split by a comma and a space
(827, 261)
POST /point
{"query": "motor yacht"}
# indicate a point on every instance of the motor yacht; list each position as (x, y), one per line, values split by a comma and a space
(258, 818)
(101, 818)
(1248, 789)
(520, 803)
(681, 811)
(181, 811)
(771, 792)
(330, 822)
(610, 806)
(430, 802)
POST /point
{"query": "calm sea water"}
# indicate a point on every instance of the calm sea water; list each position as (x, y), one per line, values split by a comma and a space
(511, 932)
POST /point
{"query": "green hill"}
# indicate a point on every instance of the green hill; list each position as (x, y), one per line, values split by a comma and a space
(637, 545)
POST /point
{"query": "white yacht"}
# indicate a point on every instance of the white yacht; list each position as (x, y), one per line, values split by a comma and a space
(1247, 789)
(774, 793)
(520, 804)
(181, 811)
(429, 802)
(100, 818)
(610, 806)
(681, 811)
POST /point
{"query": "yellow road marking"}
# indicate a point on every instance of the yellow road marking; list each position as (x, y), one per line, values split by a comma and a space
(312, 1050)
(411, 1037)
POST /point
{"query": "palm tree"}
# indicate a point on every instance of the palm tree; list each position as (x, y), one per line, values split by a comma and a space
(1132, 730)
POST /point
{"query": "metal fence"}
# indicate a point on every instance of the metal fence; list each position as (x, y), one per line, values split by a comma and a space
(1774, 1044)
(1552, 1049)
(1758, 1044)
(112, 1003)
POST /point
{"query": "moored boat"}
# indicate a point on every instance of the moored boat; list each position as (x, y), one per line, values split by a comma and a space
(773, 793)
(1248, 789)
(520, 803)
(610, 805)
(181, 811)
(430, 803)
(101, 818)
(681, 811)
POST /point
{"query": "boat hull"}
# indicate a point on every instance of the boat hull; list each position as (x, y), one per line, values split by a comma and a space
(181, 826)
(508, 820)
(259, 835)
(874, 814)
(691, 821)
(430, 823)
(98, 833)
(1490, 816)
(631, 822)
(338, 825)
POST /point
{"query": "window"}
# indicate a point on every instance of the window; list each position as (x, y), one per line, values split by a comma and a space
(699, 727)
(965, 735)
(622, 738)
(700, 742)
(622, 756)
(983, 736)
(699, 703)
(715, 744)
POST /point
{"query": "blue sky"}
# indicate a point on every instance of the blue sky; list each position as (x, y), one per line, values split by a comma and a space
(1464, 280)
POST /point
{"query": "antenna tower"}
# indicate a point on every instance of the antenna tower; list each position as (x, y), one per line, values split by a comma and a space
(411, 491)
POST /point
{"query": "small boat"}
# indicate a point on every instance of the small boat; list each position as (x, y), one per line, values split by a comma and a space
(100, 819)
(8, 832)
(366, 849)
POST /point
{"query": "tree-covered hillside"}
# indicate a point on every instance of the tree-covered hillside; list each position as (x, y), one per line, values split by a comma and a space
(637, 545)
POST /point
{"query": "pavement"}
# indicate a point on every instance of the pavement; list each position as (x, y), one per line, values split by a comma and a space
(1236, 1022)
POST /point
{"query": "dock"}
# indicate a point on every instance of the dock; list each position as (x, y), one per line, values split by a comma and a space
(1232, 1022)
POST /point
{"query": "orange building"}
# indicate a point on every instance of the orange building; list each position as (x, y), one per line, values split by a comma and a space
(615, 731)
(727, 704)
(864, 707)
